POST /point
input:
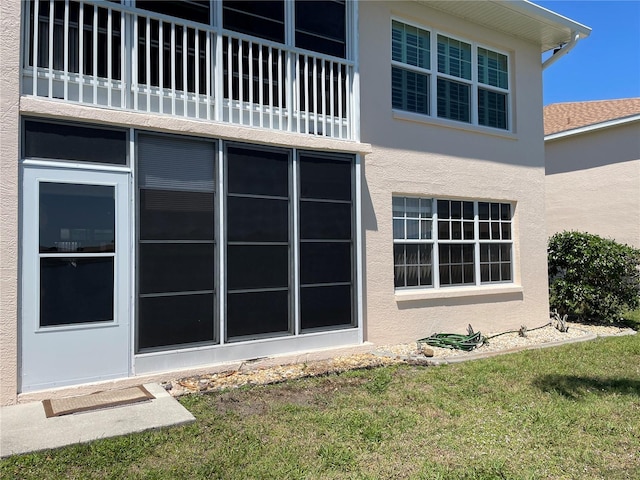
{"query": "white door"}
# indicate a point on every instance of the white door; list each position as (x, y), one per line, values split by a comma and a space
(75, 277)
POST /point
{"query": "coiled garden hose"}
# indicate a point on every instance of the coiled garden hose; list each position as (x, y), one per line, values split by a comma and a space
(468, 342)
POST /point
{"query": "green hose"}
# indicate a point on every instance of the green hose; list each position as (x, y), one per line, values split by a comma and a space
(455, 340)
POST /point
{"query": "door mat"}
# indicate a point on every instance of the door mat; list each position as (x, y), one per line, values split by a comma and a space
(95, 401)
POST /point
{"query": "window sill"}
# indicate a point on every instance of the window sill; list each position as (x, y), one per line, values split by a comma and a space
(441, 122)
(455, 292)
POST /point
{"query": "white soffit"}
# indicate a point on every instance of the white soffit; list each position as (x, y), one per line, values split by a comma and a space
(519, 18)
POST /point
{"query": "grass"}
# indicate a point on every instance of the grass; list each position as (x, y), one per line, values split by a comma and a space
(566, 412)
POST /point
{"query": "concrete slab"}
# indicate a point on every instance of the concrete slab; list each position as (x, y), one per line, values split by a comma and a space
(25, 428)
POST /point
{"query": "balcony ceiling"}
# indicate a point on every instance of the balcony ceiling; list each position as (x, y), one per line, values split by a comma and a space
(518, 18)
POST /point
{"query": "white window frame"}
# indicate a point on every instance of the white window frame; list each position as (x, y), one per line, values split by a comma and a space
(435, 242)
(474, 83)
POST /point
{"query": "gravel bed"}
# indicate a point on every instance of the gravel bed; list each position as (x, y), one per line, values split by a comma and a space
(382, 355)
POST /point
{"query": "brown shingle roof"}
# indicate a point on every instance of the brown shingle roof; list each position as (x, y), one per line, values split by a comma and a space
(560, 117)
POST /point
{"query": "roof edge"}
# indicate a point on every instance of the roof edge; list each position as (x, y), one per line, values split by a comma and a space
(528, 7)
(592, 127)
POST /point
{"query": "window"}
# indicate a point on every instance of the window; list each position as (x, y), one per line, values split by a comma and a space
(440, 242)
(433, 74)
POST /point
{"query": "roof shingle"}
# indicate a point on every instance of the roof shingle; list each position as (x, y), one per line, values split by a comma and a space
(560, 117)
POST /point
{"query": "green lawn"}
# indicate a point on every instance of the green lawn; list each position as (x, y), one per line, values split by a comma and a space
(566, 412)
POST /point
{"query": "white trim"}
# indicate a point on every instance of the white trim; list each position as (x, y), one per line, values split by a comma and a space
(473, 83)
(192, 358)
(456, 292)
(590, 128)
(359, 282)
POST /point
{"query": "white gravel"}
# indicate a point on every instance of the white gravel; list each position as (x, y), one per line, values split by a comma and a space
(548, 334)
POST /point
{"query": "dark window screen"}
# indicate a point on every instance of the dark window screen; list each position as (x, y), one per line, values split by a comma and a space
(176, 259)
(326, 306)
(257, 313)
(326, 241)
(325, 178)
(73, 142)
(174, 267)
(175, 320)
(264, 19)
(76, 290)
(258, 231)
(321, 26)
(194, 10)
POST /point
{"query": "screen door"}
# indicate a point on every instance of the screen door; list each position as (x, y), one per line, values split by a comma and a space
(75, 277)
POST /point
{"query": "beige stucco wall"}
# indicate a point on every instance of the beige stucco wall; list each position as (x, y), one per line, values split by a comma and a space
(435, 158)
(593, 183)
(9, 145)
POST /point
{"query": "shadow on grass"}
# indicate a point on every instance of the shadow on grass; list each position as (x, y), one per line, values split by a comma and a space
(576, 387)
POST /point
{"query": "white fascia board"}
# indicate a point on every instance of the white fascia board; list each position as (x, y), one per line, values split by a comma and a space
(525, 6)
(591, 128)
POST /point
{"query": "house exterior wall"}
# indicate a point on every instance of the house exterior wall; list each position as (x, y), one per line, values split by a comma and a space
(400, 154)
(434, 158)
(593, 183)
(9, 140)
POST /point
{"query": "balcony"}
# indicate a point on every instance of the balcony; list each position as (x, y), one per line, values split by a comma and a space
(113, 56)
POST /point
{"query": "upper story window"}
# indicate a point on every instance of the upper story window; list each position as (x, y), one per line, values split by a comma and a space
(319, 26)
(442, 243)
(440, 76)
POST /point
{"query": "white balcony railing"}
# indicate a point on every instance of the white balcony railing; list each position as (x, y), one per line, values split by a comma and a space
(108, 55)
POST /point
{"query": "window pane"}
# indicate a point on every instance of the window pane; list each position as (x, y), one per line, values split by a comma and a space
(175, 320)
(506, 231)
(257, 172)
(319, 220)
(456, 230)
(326, 306)
(443, 209)
(505, 269)
(467, 210)
(76, 218)
(325, 178)
(443, 230)
(454, 100)
(399, 279)
(412, 251)
(410, 45)
(257, 220)
(176, 215)
(505, 211)
(398, 229)
(257, 266)
(468, 230)
(325, 263)
(426, 276)
(454, 57)
(176, 267)
(412, 229)
(398, 254)
(256, 313)
(194, 10)
(492, 68)
(76, 290)
(484, 230)
(398, 206)
(425, 229)
(73, 142)
(410, 91)
(483, 210)
(492, 109)
(264, 19)
(321, 26)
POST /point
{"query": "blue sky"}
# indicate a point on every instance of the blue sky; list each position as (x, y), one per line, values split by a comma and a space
(605, 65)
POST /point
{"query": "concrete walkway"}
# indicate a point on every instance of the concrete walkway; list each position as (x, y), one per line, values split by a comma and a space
(25, 428)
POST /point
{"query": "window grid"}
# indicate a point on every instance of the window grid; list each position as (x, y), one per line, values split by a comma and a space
(442, 243)
(468, 83)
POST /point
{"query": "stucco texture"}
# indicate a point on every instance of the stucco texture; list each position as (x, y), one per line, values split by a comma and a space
(434, 158)
(593, 183)
(9, 151)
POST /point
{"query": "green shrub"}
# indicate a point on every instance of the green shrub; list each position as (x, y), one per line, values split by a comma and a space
(592, 278)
